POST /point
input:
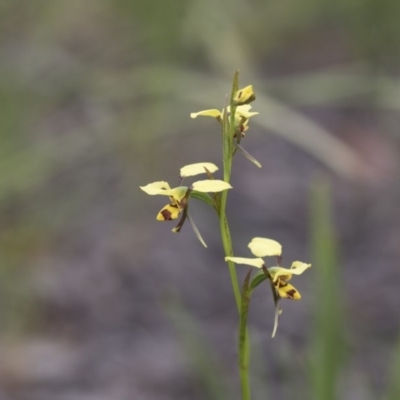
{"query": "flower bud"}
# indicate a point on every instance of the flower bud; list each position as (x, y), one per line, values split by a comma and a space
(244, 96)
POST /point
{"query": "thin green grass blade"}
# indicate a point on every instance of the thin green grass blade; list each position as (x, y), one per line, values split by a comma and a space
(327, 346)
(393, 389)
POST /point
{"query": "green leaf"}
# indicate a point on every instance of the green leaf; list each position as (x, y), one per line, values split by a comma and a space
(205, 197)
(258, 278)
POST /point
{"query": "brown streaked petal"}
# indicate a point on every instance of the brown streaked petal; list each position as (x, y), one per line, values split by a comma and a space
(287, 291)
(168, 213)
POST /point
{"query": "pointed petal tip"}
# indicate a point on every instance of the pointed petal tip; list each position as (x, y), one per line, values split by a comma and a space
(299, 267)
(207, 113)
(253, 262)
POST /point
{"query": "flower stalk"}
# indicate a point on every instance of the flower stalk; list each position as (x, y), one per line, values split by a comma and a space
(228, 132)
(244, 345)
(234, 120)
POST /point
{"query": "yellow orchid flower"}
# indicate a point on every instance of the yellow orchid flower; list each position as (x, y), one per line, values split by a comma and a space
(242, 116)
(245, 95)
(279, 276)
(262, 247)
(179, 196)
(176, 195)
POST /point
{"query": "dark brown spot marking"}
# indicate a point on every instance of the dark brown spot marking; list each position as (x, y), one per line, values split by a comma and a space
(240, 94)
(291, 293)
(166, 215)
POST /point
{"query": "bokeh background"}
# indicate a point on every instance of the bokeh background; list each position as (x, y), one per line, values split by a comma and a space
(100, 301)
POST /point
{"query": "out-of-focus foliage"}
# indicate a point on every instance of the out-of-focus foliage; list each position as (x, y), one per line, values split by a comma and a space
(95, 98)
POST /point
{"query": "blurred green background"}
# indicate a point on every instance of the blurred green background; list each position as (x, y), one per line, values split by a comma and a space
(100, 301)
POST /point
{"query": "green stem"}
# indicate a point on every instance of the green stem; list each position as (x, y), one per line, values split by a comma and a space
(242, 303)
(227, 150)
(228, 248)
(228, 127)
(244, 346)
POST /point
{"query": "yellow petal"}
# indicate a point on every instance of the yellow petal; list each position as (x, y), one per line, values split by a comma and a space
(298, 267)
(198, 168)
(245, 95)
(211, 185)
(177, 193)
(244, 111)
(285, 274)
(207, 113)
(245, 126)
(287, 291)
(254, 262)
(155, 188)
(262, 247)
(168, 213)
